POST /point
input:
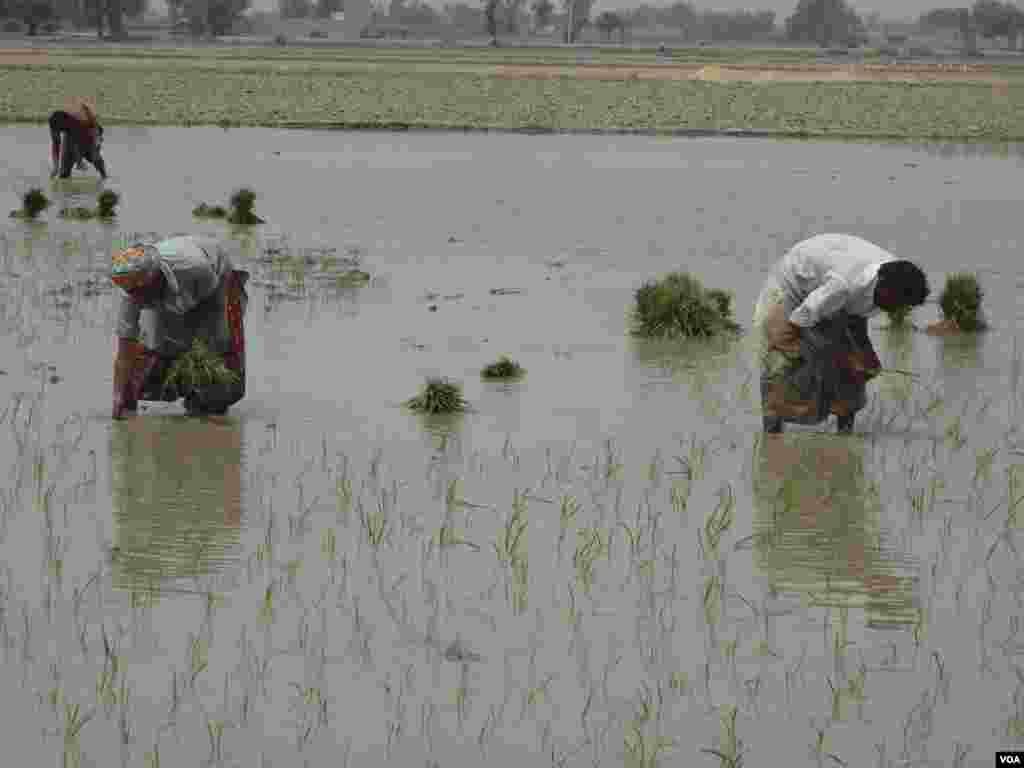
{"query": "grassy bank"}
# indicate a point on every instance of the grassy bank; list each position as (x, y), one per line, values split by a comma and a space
(385, 89)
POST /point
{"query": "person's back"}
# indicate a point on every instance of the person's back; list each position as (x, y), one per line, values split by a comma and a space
(84, 135)
(850, 260)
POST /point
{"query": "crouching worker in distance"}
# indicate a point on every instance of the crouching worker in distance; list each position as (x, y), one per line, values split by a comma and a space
(75, 136)
(177, 291)
(811, 326)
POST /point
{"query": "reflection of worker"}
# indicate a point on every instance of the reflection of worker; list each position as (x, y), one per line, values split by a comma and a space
(75, 136)
(176, 491)
(815, 353)
(177, 290)
(812, 499)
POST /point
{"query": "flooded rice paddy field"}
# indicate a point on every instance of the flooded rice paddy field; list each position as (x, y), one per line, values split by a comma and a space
(602, 564)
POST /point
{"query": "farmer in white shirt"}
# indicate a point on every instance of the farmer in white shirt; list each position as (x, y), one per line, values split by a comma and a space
(811, 324)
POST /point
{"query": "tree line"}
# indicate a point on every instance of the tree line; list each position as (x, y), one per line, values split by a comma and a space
(824, 22)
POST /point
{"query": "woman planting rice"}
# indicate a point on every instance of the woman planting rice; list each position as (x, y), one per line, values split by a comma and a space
(179, 330)
(811, 319)
(75, 136)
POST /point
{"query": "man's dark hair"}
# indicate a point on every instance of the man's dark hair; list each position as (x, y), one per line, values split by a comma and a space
(905, 280)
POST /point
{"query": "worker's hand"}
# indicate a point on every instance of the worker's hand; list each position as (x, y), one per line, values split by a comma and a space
(864, 365)
(123, 409)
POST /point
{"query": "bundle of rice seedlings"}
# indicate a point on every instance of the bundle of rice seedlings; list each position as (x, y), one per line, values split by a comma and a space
(106, 202)
(78, 213)
(204, 211)
(198, 368)
(678, 305)
(898, 317)
(960, 302)
(504, 368)
(33, 203)
(242, 202)
(438, 396)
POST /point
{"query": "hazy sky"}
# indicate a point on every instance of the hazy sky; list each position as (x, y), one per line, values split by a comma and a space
(890, 9)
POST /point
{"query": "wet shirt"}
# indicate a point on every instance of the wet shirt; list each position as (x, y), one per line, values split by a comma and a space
(830, 273)
(194, 268)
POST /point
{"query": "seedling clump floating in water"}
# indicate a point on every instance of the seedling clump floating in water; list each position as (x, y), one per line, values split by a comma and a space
(241, 207)
(198, 368)
(960, 302)
(204, 211)
(240, 212)
(678, 305)
(502, 369)
(438, 396)
(33, 203)
(106, 202)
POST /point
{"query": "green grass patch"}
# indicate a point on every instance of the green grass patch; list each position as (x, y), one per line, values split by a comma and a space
(677, 305)
(503, 369)
(960, 301)
(362, 90)
(438, 396)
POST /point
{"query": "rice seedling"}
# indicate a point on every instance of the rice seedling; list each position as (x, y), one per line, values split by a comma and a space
(438, 396)
(503, 369)
(730, 749)
(197, 369)
(593, 544)
(74, 722)
(33, 202)
(898, 318)
(678, 305)
(77, 213)
(204, 211)
(960, 302)
(106, 204)
(242, 201)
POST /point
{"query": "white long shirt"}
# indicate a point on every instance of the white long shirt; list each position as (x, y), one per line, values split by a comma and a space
(829, 273)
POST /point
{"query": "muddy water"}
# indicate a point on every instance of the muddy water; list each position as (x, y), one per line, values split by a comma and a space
(527, 246)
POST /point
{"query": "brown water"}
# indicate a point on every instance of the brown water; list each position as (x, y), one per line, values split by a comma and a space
(183, 525)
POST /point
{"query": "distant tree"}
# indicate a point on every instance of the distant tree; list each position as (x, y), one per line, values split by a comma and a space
(607, 22)
(324, 9)
(994, 18)
(210, 17)
(742, 26)
(511, 13)
(542, 11)
(294, 9)
(491, 18)
(682, 16)
(577, 13)
(33, 14)
(940, 18)
(824, 22)
(463, 16)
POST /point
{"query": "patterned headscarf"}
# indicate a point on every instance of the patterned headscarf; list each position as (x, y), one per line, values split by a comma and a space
(134, 267)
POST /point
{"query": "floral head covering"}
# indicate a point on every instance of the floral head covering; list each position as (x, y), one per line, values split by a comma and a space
(132, 268)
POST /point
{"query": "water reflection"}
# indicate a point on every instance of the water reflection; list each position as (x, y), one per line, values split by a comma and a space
(816, 526)
(177, 498)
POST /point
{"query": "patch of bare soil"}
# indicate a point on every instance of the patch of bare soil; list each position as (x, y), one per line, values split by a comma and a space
(758, 74)
(16, 56)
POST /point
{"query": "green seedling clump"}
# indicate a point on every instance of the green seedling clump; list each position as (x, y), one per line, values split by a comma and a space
(898, 317)
(502, 369)
(198, 368)
(106, 202)
(960, 302)
(204, 211)
(678, 305)
(78, 213)
(438, 396)
(33, 203)
(241, 207)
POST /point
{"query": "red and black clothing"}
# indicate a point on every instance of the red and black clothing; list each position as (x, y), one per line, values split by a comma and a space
(83, 143)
